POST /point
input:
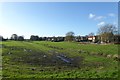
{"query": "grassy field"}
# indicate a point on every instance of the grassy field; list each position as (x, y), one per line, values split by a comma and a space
(42, 59)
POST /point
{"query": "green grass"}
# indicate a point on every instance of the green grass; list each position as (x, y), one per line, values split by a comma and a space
(18, 63)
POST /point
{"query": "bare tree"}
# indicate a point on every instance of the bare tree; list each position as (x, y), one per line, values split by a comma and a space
(91, 34)
(106, 32)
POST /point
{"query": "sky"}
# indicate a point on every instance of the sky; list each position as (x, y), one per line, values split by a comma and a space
(55, 18)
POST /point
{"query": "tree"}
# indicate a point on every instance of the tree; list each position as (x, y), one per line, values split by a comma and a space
(106, 32)
(34, 38)
(20, 38)
(14, 37)
(69, 36)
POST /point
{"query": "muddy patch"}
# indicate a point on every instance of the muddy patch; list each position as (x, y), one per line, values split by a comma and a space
(44, 59)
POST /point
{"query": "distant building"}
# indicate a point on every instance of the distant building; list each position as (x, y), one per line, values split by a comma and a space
(81, 39)
(84, 38)
(57, 39)
(92, 38)
(77, 39)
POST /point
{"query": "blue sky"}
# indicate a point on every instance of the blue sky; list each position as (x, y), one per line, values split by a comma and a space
(55, 18)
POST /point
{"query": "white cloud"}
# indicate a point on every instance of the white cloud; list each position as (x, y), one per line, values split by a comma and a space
(101, 23)
(111, 14)
(91, 15)
(99, 17)
(94, 17)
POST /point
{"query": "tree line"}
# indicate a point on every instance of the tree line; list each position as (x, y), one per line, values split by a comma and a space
(106, 33)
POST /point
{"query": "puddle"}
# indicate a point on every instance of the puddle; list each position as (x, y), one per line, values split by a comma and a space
(64, 58)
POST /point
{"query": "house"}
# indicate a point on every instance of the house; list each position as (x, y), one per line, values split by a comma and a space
(93, 38)
(80, 38)
(83, 38)
(77, 38)
(57, 39)
(54, 39)
(48, 39)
